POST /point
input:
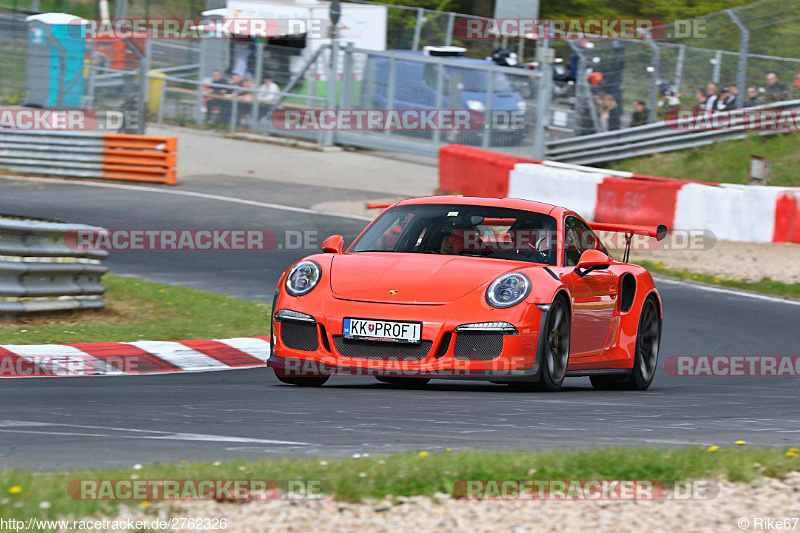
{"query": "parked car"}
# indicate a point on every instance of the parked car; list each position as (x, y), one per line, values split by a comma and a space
(466, 85)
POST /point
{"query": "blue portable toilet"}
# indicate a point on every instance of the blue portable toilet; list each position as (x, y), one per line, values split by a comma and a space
(55, 61)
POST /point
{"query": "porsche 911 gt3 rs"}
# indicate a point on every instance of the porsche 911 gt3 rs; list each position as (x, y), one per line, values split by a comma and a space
(506, 290)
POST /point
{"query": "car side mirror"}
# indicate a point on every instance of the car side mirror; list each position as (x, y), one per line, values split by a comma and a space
(333, 244)
(592, 260)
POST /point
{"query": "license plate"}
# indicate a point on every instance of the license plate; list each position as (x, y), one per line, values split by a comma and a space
(382, 330)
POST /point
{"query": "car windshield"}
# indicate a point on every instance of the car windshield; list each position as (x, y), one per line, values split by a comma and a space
(474, 80)
(469, 230)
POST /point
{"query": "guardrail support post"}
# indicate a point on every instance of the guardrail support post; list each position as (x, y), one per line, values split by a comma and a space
(332, 82)
(679, 67)
(717, 66)
(259, 73)
(654, 79)
(744, 43)
(448, 38)
(418, 28)
(543, 97)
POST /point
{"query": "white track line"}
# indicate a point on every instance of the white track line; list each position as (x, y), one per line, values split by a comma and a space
(205, 196)
(733, 292)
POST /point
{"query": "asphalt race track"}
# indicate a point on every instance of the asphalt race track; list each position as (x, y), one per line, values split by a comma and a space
(117, 421)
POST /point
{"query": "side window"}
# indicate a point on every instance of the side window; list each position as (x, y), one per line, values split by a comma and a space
(388, 240)
(578, 238)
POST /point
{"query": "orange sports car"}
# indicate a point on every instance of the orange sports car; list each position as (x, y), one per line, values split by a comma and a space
(505, 290)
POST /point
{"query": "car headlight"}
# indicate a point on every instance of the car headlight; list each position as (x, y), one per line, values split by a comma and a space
(302, 278)
(508, 290)
(522, 105)
(475, 105)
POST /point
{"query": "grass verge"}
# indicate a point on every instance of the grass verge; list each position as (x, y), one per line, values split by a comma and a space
(143, 310)
(765, 286)
(354, 479)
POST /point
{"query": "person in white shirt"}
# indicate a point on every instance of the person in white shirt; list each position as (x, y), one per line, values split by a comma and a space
(712, 101)
(268, 92)
(267, 96)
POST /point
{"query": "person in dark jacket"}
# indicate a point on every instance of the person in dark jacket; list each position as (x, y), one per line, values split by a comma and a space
(639, 116)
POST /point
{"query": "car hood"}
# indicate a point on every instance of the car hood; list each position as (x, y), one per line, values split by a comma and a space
(417, 278)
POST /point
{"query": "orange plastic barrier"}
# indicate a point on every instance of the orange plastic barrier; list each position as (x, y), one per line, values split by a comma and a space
(476, 172)
(140, 158)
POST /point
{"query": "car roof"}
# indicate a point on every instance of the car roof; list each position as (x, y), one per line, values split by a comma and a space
(460, 59)
(510, 203)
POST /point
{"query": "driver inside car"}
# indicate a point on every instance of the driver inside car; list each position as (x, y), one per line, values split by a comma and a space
(452, 243)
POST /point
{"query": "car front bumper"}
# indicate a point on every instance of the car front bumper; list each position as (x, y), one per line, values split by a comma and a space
(306, 348)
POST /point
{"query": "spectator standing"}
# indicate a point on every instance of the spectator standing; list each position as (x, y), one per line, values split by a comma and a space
(775, 90)
(609, 114)
(727, 100)
(701, 99)
(753, 98)
(712, 97)
(639, 116)
(217, 103)
(268, 95)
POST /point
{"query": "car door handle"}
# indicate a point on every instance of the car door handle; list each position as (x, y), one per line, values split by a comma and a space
(612, 292)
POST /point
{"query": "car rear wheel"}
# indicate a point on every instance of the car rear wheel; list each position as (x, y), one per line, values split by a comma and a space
(648, 340)
(305, 381)
(404, 382)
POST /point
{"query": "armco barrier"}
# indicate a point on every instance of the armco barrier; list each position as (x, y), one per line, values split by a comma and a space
(90, 154)
(38, 272)
(732, 212)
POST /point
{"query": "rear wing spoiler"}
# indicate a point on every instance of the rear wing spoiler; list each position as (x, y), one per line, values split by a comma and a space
(657, 232)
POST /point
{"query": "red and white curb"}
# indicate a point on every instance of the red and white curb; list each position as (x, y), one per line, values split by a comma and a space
(142, 357)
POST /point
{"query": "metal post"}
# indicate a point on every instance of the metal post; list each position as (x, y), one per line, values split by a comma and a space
(654, 78)
(121, 9)
(234, 111)
(332, 82)
(418, 28)
(144, 68)
(258, 81)
(488, 118)
(717, 66)
(162, 101)
(347, 78)
(390, 91)
(543, 96)
(437, 133)
(198, 116)
(744, 43)
(679, 67)
(448, 38)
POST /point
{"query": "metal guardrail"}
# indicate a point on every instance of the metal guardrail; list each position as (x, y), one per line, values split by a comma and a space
(39, 272)
(649, 139)
(89, 154)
